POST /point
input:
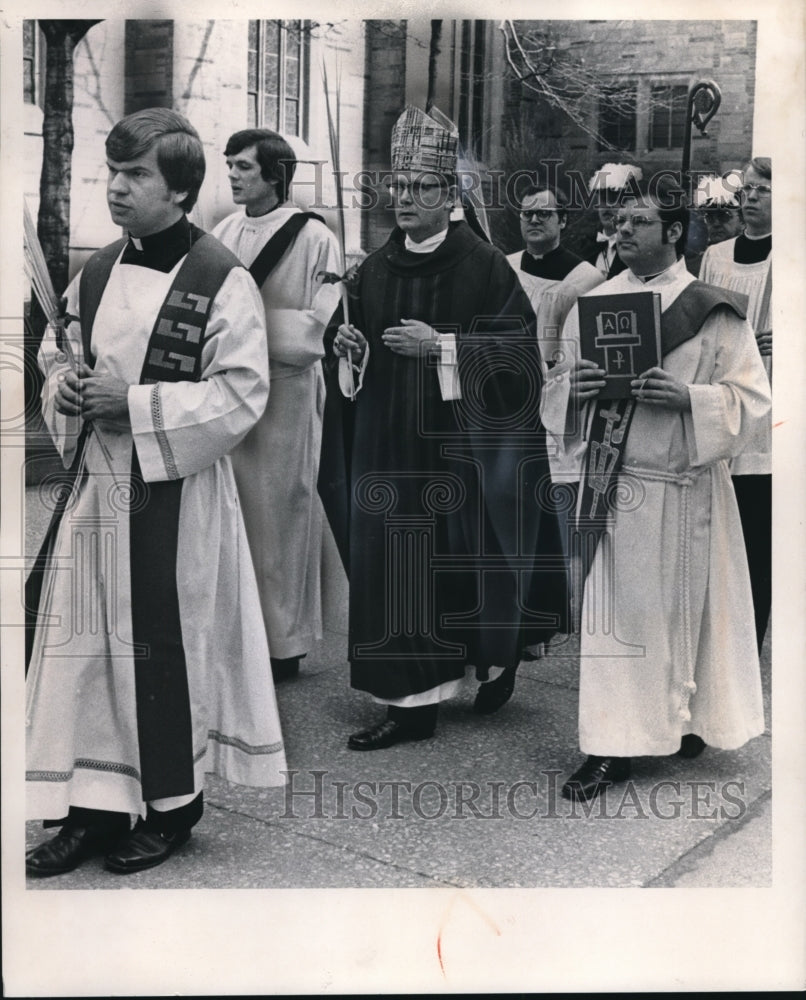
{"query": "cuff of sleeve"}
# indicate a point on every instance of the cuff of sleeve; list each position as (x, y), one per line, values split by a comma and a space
(295, 337)
(707, 413)
(153, 451)
(325, 303)
(348, 374)
(554, 404)
(447, 368)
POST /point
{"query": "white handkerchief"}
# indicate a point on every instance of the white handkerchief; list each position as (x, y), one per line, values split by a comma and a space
(447, 368)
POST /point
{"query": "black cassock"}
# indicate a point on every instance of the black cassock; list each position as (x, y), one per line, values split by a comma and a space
(441, 509)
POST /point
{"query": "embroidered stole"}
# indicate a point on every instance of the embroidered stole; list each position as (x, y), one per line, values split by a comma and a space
(611, 420)
(173, 354)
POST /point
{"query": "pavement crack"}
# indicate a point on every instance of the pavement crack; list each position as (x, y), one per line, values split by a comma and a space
(703, 848)
(345, 848)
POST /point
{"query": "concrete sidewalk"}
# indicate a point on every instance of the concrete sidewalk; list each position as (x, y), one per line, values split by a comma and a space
(478, 805)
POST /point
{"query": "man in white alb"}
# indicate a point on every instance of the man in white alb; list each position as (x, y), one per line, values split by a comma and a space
(289, 253)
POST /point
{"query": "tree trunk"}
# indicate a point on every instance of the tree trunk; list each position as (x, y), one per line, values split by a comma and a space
(53, 221)
(433, 62)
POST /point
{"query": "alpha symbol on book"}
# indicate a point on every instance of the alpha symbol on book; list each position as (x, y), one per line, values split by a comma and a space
(617, 335)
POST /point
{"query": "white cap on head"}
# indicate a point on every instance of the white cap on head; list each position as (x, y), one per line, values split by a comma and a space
(614, 177)
(718, 192)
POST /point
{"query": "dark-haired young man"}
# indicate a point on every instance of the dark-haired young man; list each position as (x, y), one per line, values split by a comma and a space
(276, 465)
(668, 653)
(149, 663)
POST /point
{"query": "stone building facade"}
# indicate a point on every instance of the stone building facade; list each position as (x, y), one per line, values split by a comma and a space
(647, 65)
(226, 75)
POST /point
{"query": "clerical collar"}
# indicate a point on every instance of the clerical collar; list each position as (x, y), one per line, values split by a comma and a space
(553, 266)
(161, 251)
(542, 256)
(645, 278)
(428, 245)
(747, 250)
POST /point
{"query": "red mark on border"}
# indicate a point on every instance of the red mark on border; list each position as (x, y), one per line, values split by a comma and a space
(469, 901)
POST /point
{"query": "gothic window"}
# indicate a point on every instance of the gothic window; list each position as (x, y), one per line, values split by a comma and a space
(617, 117)
(277, 76)
(667, 127)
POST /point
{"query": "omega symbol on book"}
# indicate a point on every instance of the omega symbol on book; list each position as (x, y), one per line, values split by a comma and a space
(617, 335)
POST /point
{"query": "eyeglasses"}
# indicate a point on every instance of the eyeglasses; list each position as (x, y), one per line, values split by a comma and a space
(712, 215)
(760, 189)
(541, 214)
(414, 188)
(636, 221)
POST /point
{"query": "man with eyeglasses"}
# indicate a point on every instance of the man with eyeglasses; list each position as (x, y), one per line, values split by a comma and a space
(668, 656)
(716, 199)
(744, 264)
(432, 453)
(553, 277)
(607, 187)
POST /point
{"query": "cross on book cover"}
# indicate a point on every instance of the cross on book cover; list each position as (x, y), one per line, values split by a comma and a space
(621, 333)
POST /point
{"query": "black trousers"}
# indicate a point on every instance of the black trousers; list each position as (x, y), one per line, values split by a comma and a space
(172, 821)
(754, 497)
(422, 718)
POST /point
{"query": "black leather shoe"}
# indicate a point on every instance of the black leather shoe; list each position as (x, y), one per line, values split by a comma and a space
(71, 845)
(492, 695)
(386, 734)
(594, 776)
(537, 651)
(284, 670)
(691, 746)
(144, 848)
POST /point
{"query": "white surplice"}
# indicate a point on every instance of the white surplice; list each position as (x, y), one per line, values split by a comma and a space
(82, 738)
(719, 268)
(667, 640)
(552, 301)
(277, 464)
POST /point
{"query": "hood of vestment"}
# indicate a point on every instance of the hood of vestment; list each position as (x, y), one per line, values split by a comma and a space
(459, 244)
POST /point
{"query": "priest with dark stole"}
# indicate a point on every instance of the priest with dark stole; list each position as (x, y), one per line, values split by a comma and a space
(434, 457)
(668, 658)
(149, 663)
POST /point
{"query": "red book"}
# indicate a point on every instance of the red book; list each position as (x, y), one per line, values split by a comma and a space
(621, 333)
